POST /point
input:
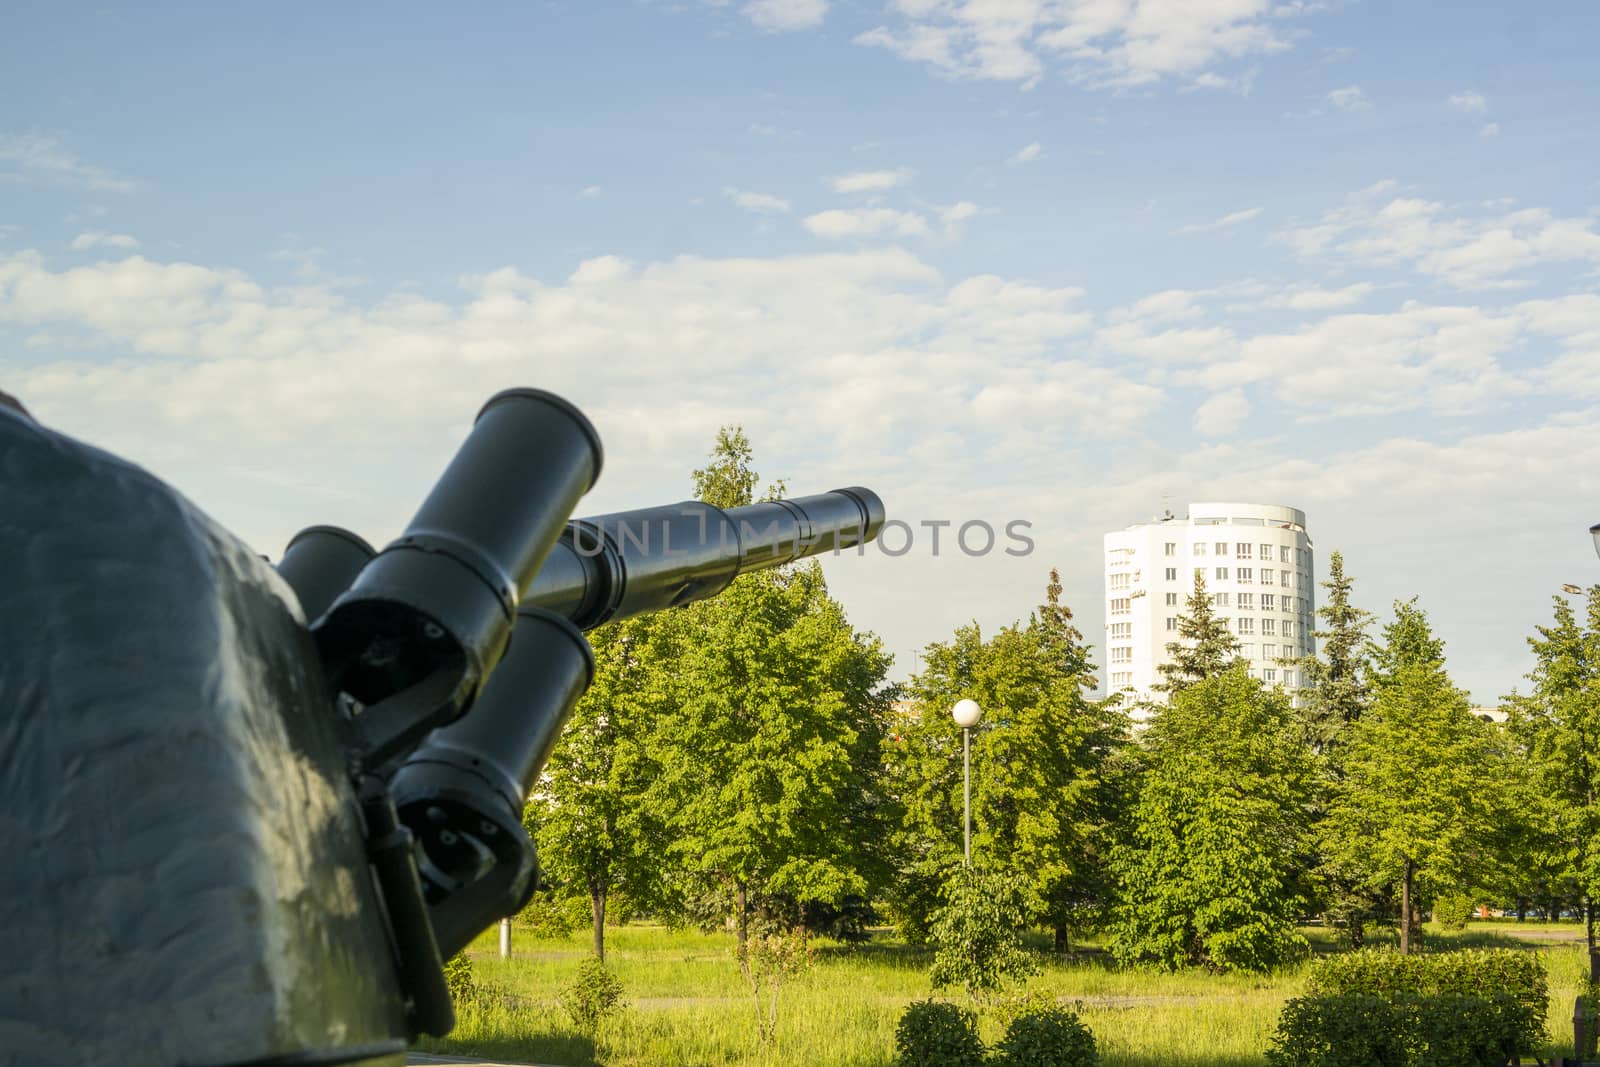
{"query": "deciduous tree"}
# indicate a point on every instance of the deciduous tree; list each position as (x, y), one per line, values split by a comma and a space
(1212, 871)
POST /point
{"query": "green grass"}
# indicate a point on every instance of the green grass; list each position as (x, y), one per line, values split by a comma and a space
(688, 1005)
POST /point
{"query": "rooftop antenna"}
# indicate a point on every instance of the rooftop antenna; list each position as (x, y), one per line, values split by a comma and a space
(1166, 506)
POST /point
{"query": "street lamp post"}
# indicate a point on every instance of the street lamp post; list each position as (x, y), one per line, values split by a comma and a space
(966, 714)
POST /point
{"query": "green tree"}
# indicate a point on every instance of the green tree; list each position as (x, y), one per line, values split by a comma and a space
(595, 827)
(1205, 647)
(1415, 810)
(1555, 731)
(1043, 797)
(1336, 691)
(1335, 685)
(769, 759)
(977, 933)
(1211, 871)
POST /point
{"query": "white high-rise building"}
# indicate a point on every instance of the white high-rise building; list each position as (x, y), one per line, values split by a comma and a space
(1256, 559)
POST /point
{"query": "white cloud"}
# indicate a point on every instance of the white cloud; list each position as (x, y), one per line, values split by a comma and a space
(761, 203)
(589, 192)
(841, 223)
(871, 181)
(1462, 247)
(1222, 414)
(1316, 298)
(783, 16)
(1225, 222)
(1027, 153)
(95, 239)
(1100, 43)
(1350, 98)
(45, 159)
(1469, 101)
(959, 212)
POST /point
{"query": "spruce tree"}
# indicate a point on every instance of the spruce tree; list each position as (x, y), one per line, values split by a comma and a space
(1556, 731)
(1205, 648)
(1336, 687)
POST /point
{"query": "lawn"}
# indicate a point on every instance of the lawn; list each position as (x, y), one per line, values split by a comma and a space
(688, 1005)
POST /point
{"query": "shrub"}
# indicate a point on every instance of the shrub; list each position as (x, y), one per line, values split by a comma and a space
(1339, 1031)
(594, 996)
(459, 979)
(1452, 910)
(932, 1033)
(977, 934)
(1050, 1038)
(1485, 973)
(1405, 1030)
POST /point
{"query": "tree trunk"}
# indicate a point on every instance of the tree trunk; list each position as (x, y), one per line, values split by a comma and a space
(1358, 933)
(742, 913)
(1522, 909)
(597, 906)
(1588, 914)
(1405, 908)
(1063, 943)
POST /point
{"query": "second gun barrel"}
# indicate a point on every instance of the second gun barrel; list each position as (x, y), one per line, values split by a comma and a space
(611, 567)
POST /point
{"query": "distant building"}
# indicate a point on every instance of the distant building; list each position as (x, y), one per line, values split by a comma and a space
(1257, 563)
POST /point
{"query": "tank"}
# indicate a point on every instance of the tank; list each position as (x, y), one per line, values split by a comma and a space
(249, 809)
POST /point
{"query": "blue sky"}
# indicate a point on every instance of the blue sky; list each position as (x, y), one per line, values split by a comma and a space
(1067, 262)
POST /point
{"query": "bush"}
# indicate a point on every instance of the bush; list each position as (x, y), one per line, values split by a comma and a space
(1452, 910)
(1050, 1038)
(1514, 980)
(459, 979)
(594, 996)
(1339, 1031)
(977, 934)
(1405, 1030)
(932, 1033)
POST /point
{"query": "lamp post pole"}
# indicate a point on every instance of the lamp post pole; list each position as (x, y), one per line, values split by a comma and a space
(966, 713)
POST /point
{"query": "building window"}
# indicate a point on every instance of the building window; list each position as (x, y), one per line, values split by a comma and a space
(1172, 623)
(1246, 625)
(1288, 603)
(1172, 548)
(1172, 574)
(1121, 653)
(1172, 599)
(1268, 576)
(1266, 553)
(1268, 601)
(1247, 601)
(1267, 627)
(1288, 627)
(1288, 677)
(1283, 577)
(1120, 679)
(1222, 548)
(1247, 650)
(1119, 581)
(1222, 574)
(1289, 652)
(1242, 551)
(1199, 548)
(1269, 675)
(1245, 575)
(1283, 554)
(1219, 600)
(1121, 629)
(1120, 606)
